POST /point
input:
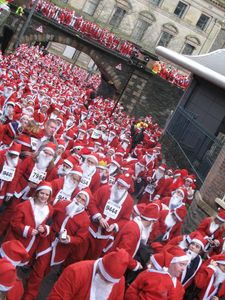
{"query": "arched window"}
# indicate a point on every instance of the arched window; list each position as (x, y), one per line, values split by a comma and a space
(168, 32)
(144, 21)
(191, 43)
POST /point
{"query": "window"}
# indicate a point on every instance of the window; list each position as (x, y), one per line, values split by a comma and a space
(91, 6)
(188, 49)
(117, 17)
(180, 9)
(155, 2)
(202, 22)
(165, 39)
(140, 30)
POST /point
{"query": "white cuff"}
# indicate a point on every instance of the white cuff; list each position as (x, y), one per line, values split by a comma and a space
(116, 228)
(25, 231)
(212, 267)
(47, 229)
(96, 216)
(137, 266)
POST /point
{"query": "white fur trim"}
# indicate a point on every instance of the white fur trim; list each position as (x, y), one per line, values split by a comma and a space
(96, 216)
(68, 162)
(105, 274)
(198, 242)
(116, 227)
(155, 263)
(47, 229)
(4, 288)
(86, 194)
(25, 231)
(92, 156)
(222, 262)
(50, 149)
(177, 259)
(76, 173)
(13, 262)
(44, 187)
(123, 182)
(219, 218)
(14, 152)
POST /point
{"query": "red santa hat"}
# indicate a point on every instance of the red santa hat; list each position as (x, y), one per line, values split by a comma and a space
(178, 255)
(161, 261)
(113, 265)
(221, 215)
(14, 252)
(76, 170)
(61, 143)
(125, 180)
(199, 239)
(150, 212)
(180, 212)
(51, 147)
(71, 161)
(7, 275)
(139, 208)
(163, 167)
(189, 178)
(69, 135)
(94, 156)
(44, 185)
(87, 193)
(182, 191)
(117, 161)
(15, 149)
(220, 258)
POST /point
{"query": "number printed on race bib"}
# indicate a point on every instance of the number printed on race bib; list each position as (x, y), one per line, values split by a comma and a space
(7, 173)
(112, 210)
(84, 182)
(34, 143)
(37, 176)
(150, 189)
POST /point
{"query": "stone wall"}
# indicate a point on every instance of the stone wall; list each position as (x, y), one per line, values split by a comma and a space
(150, 94)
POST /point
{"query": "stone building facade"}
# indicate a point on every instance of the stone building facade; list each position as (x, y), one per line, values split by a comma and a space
(188, 27)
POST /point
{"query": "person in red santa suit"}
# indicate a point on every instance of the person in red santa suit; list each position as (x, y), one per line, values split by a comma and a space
(134, 233)
(64, 168)
(66, 187)
(160, 280)
(211, 279)
(175, 200)
(112, 140)
(155, 185)
(8, 277)
(169, 225)
(114, 169)
(110, 210)
(9, 172)
(16, 254)
(69, 229)
(29, 222)
(90, 177)
(212, 228)
(92, 280)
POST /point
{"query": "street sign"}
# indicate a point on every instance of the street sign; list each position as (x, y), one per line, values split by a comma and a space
(119, 67)
(40, 29)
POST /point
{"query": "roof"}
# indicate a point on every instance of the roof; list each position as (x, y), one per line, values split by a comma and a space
(210, 66)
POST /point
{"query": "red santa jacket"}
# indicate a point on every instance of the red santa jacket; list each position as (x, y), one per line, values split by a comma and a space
(204, 226)
(98, 206)
(22, 224)
(76, 283)
(77, 229)
(154, 285)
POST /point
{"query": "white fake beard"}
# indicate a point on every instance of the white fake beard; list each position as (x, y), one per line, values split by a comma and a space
(43, 161)
(53, 116)
(169, 221)
(80, 136)
(145, 234)
(69, 123)
(74, 208)
(138, 169)
(219, 277)
(87, 170)
(116, 194)
(175, 201)
(191, 254)
(62, 172)
(68, 186)
(104, 137)
(112, 169)
(110, 138)
(27, 112)
(158, 174)
(102, 287)
(213, 227)
(149, 158)
(12, 162)
(7, 94)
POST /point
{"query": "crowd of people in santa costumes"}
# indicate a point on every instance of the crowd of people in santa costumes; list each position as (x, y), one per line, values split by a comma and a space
(91, 193)
(87, 28)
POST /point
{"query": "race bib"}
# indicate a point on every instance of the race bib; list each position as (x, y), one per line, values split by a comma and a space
(7, 173)
(61, 196)
(150, 189)
(84, 182)
(37, 176)
(112, 210)
(34, 143)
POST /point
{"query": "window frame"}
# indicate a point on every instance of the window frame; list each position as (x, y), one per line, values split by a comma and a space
(180, 16)
(162, 32)
(135, 28)
(87, 2)
(206, 25)
(116, 8)
(156, 4)
(189, 44)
